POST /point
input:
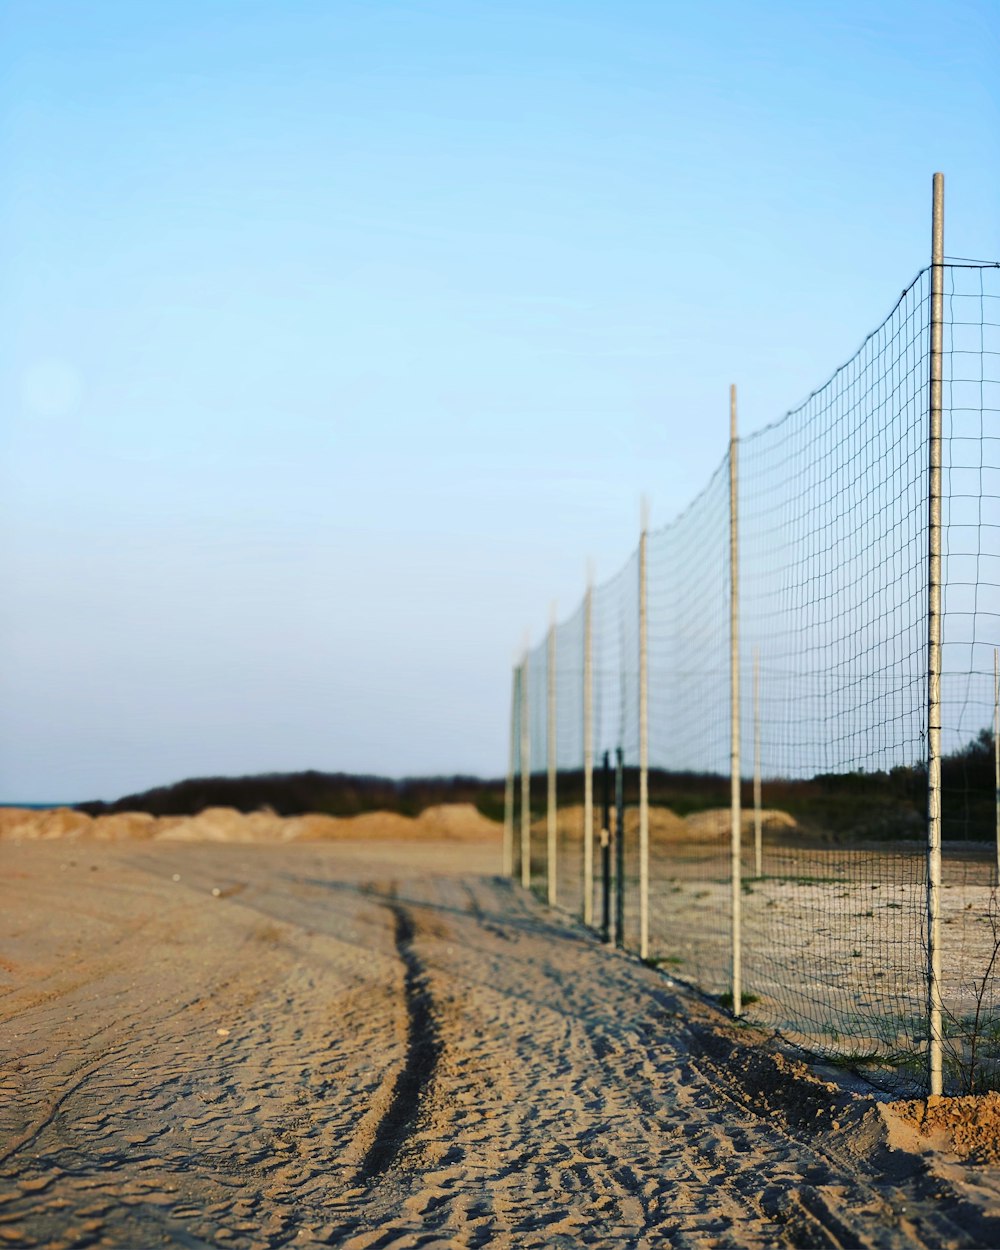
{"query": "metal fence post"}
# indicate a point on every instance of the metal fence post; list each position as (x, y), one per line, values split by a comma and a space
(588, 756)
(619, 847)
(734, 692)
(508, 794)
(551, 868)
(525, 778)
(643, 747)
(934, 1003)
(606, 849)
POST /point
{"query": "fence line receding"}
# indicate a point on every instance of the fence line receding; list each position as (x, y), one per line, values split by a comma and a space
(829, 895)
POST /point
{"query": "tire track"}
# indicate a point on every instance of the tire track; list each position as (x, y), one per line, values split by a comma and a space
(662, 1120)
(423, 1050)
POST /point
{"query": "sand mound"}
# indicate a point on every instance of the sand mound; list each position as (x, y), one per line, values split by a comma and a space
(221, 824)
(124, 827)
(57, 822)
(569, 822)
(313, 827)
(376, 827)
(715, 823)
(457, 822)
(665, 825)
(453, 822)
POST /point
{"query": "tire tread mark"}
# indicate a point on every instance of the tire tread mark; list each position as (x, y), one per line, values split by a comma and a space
(423, 1049)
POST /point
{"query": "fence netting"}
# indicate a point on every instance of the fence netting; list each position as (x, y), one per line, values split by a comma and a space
(833, 582)
(971, 634)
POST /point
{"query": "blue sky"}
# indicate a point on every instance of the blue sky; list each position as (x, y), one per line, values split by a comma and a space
(338, 336)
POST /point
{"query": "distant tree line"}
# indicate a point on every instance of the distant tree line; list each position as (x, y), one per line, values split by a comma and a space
(856, 805)
(294, 794)
(852, 806)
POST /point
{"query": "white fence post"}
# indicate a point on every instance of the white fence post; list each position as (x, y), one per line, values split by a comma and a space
(525, 778)
(934, 1003)
(734, 738)
(588, 756)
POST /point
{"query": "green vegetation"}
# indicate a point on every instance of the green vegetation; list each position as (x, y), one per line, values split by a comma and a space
(899, 1061)
(726, 999)
(796, 880)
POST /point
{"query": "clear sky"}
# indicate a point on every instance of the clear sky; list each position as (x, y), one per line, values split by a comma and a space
(338, 334)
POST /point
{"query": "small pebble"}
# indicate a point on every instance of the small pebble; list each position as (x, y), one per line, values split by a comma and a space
(216, 892)
(222, 1032)
(176, 876)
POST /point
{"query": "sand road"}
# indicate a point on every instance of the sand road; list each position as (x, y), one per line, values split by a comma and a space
(386, 1046)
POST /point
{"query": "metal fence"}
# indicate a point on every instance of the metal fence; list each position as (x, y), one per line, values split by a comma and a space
(764, 754)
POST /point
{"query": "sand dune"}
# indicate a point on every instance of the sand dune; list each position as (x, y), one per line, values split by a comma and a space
(716, 822)
(452, 822)
(360, 1045)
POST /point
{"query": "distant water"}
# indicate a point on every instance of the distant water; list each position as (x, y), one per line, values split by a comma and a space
(36, 807)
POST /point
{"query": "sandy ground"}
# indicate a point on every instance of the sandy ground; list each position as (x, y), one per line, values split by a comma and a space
(380, 1043)
(833, 937)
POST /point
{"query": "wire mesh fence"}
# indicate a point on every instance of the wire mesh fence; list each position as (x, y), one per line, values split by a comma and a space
(832, 888)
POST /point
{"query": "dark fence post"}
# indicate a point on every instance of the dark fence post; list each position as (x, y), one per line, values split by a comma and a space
(606, 849)
(619, 847)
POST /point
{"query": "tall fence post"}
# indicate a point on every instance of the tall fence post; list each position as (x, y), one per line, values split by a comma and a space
(588, 755)
(758, 849)
(507, 866)
(551, 868)
(643, 747)
(934, 1003)
(734, 732)
(525, 778)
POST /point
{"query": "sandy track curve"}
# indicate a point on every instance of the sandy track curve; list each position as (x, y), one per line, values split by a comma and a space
(386, 1047)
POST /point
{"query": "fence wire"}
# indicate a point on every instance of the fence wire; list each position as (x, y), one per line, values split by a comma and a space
(833, 523)
(833, 552)
(971, 606)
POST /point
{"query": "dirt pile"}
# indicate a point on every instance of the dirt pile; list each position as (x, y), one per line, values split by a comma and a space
(456, 822)
(967, 1126)
(715, 823)
(665, 825)
(57, 822)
